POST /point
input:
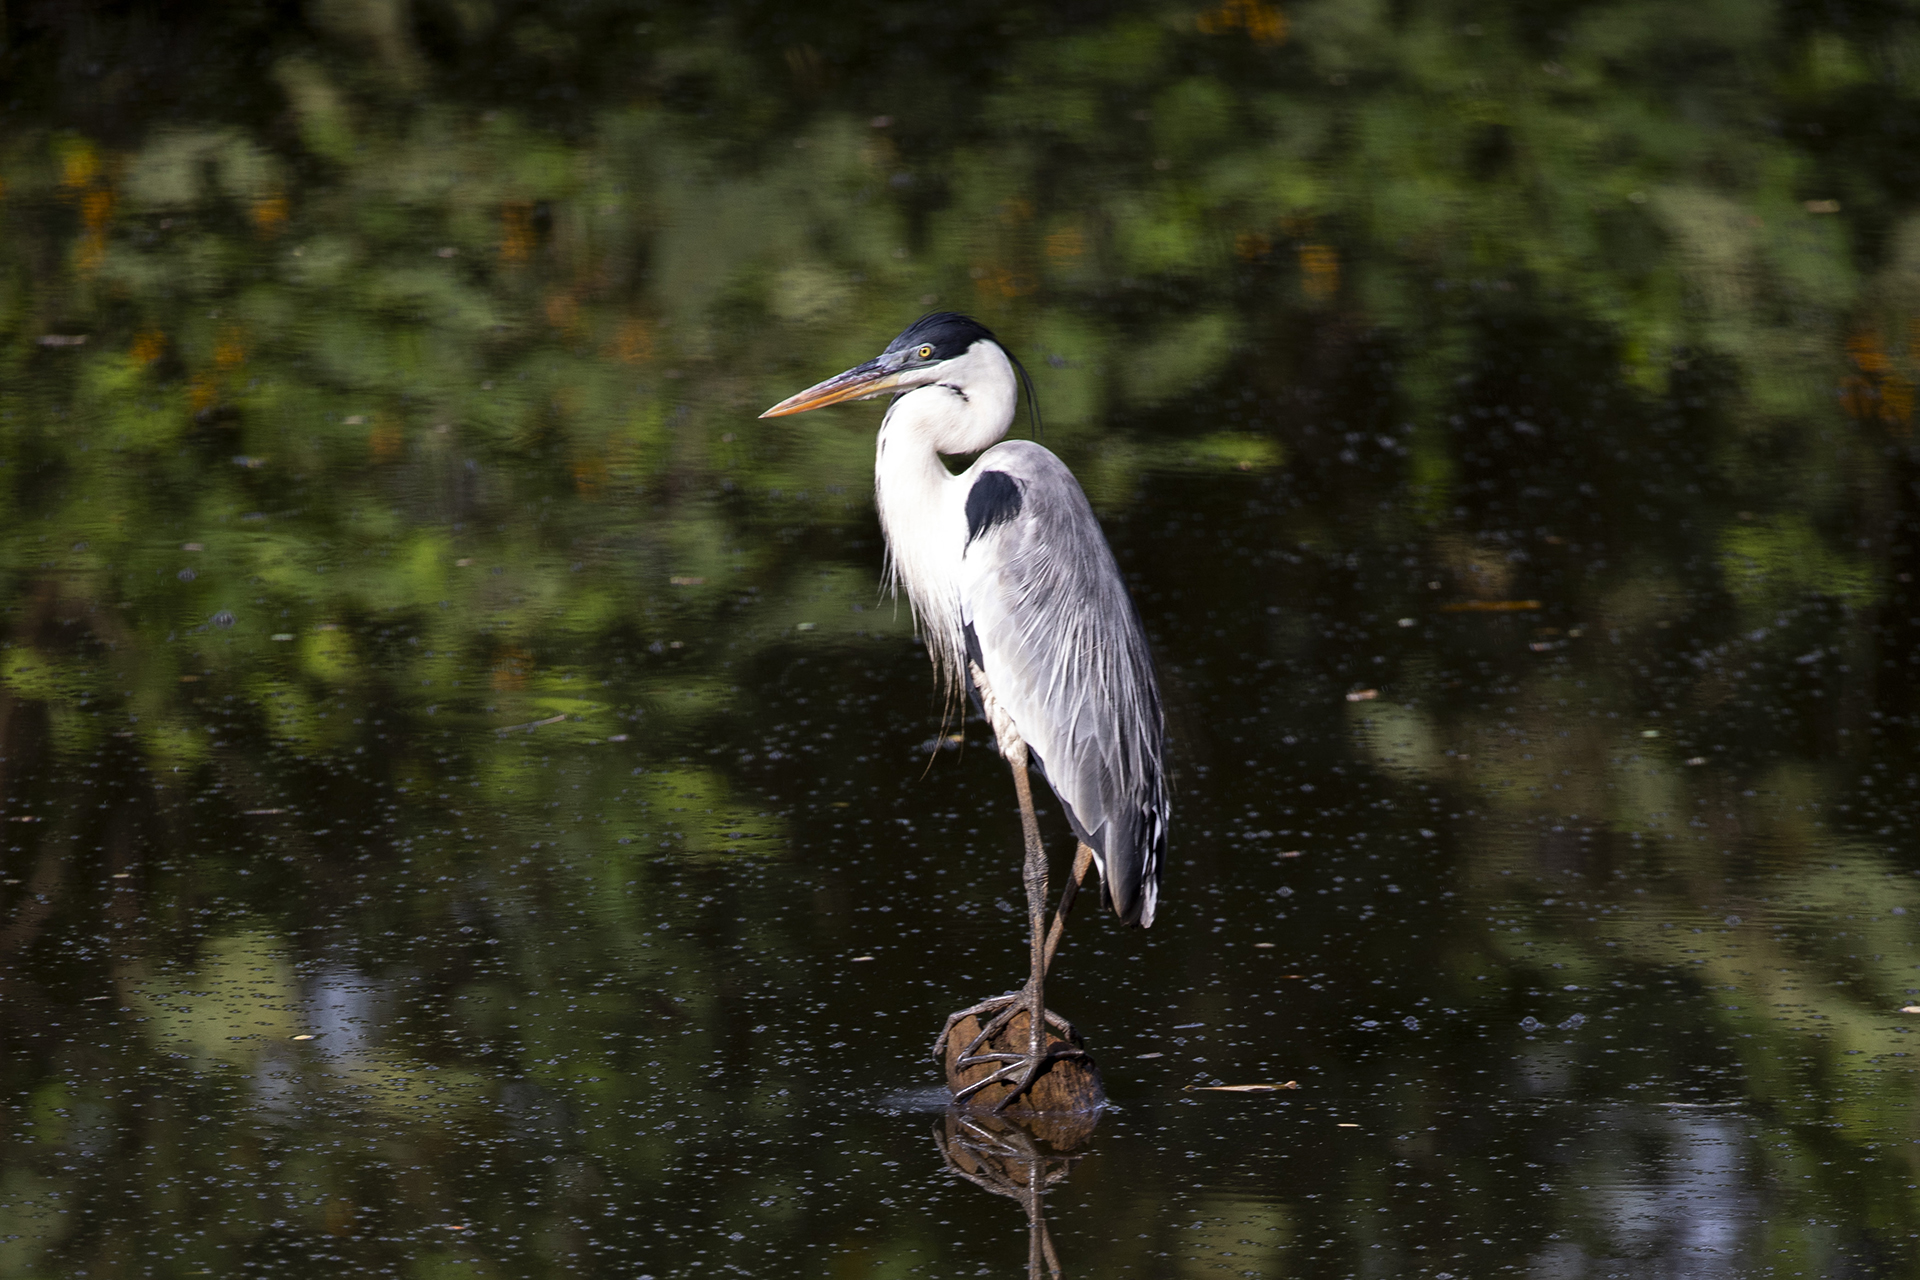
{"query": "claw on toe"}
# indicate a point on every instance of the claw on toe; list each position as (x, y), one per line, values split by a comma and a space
(1003, 1055)
(1003, 1008)
(1028, 1068)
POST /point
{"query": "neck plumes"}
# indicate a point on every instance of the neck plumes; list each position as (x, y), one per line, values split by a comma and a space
(922, 504)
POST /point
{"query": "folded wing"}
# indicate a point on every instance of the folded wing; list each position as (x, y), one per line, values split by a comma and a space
(1049, 621)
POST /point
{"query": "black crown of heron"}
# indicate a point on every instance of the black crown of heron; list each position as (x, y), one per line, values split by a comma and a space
(1017, 594)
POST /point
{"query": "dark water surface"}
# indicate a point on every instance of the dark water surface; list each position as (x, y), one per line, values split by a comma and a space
(468, 810)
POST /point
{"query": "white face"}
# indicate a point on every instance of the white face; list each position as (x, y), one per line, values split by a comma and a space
(962, 405)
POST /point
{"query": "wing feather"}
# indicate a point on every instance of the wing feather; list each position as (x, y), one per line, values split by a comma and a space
(1063, 649)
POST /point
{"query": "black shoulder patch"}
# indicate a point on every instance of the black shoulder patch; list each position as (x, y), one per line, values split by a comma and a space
(994, 499)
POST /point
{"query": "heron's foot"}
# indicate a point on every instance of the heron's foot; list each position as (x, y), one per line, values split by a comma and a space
(1002, 1009)
(1017, 1069)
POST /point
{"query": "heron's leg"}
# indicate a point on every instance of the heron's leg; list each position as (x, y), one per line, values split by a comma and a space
(1028, 1066)
(1082, 859)
(1006, 1006)
(1021, 1070)
(1036, 882)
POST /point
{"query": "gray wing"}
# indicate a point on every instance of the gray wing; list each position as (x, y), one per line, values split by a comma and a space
(1049, 621)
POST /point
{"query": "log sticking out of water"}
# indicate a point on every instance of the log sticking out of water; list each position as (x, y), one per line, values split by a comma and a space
(1067, 1086)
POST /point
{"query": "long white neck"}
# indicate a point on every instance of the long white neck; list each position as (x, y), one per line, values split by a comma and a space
(923, 514)
(966, 406)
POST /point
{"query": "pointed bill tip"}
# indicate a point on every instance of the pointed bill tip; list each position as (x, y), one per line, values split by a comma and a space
(869, 379)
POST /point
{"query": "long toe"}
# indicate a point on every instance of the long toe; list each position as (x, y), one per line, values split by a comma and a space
(1016, 1067)
(993, 1028)
(1005, 1006)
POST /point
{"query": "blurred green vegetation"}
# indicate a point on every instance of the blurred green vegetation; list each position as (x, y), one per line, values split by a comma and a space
(382, 486)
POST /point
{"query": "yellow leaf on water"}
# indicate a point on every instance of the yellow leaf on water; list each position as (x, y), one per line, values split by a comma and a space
(1912, 1008)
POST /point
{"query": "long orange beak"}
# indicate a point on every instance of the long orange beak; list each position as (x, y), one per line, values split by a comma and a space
(857, 383)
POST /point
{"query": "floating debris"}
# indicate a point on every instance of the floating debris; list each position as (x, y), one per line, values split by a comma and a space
(533, 724)
(1363, 695)
(1242, 1088)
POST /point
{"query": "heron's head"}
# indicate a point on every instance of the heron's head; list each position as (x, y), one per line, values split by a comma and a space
(968, 377)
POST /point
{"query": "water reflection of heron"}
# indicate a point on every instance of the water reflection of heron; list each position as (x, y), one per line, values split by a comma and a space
(1012, 1159)
(1021, 604)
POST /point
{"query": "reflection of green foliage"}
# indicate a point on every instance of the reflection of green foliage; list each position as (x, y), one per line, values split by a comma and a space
(46, 677)
(1775, 564)
(239, 999)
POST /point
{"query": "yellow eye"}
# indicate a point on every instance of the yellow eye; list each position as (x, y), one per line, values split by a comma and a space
(926, 353)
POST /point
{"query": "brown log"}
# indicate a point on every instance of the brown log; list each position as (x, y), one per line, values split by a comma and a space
(1068, 1086)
